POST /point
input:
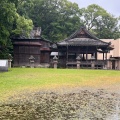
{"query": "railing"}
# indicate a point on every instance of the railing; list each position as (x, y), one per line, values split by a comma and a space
(87, 64)
(100, 62)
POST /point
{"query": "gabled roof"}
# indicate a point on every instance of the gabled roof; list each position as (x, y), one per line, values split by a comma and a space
(82, 37)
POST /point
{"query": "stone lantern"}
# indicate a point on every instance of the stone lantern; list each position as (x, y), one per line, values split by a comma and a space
(92, 62)
(55, 61)
(78, 61)
(9, 60)
(32, 60)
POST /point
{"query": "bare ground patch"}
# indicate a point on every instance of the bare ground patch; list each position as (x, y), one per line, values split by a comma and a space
(72, 104)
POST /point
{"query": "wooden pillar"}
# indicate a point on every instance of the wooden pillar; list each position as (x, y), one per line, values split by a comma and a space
(86, 56)
(40, 56)
(83, 56)
(96, 56)
(103, 60)
(92, 54)
(58, 54)
(87, 53)
(106, 56)
(103, 55)
(106, 64)
(18, 56)
(119, 64)
(67, 53)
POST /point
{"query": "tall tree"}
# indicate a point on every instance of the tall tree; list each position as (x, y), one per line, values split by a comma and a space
(57, 18)
(92, 14)
(7, 15)
(9, 21)
(108, 27)
(100, 22)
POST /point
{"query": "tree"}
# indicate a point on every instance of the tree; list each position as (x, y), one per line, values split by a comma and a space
(92, 14)
(9, 22)
(7, 15)
(57, 18)
(23, 26)
(100, 22)
(108, 27)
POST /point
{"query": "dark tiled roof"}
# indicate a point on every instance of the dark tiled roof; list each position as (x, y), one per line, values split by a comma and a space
(90, 40)
(82, 42)
(35, 34)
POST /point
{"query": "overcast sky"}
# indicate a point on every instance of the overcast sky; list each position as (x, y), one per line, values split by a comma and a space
(112, 6)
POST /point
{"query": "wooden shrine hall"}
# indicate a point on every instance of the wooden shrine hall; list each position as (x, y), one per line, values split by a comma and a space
(82, 48)
(31, 50)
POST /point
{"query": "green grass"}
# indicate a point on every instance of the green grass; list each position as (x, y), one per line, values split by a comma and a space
(30, 79)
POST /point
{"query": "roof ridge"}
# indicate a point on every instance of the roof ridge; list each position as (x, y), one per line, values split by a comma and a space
(78, 31)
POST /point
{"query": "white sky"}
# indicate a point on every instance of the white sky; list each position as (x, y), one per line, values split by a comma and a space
(112, 6)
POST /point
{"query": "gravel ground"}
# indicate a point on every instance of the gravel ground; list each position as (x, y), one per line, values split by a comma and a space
(78, 104)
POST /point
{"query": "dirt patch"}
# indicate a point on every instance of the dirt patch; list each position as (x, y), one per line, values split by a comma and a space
(78, 104)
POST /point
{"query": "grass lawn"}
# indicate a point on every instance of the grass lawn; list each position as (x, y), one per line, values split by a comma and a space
(18, 80)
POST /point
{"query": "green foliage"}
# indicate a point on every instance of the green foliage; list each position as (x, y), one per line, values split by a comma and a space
(92, 14)
(10, 22)
(108, 28)
(100, 22)
(7, 15)
(23, 26)
(57, 18)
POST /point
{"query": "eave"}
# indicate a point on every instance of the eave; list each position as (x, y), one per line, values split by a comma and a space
(27, 43)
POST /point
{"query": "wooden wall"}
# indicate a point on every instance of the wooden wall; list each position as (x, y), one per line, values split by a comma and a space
(23, 52)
